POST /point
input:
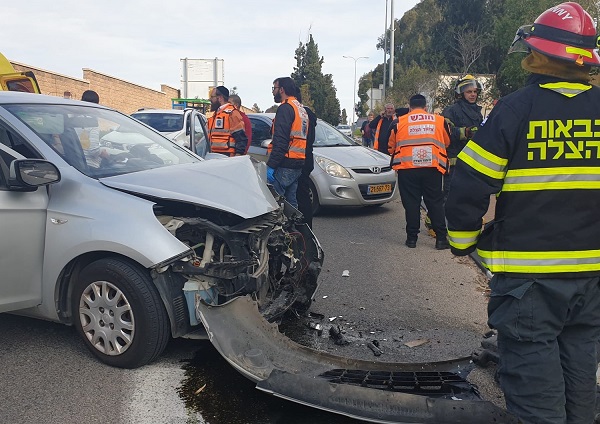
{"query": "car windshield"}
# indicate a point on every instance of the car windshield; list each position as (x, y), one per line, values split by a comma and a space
(100, 142)
(327, 136)
(163, 122)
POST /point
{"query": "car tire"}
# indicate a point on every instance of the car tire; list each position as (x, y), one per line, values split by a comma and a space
(314, 199)
(119, 313)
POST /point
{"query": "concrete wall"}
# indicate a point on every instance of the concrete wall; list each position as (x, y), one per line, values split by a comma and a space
(116, 93)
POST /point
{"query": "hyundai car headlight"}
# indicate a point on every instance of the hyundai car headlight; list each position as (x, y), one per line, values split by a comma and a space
(333, 168)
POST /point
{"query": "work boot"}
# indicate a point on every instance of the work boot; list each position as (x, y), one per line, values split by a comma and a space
(442, 243)
(411, 242)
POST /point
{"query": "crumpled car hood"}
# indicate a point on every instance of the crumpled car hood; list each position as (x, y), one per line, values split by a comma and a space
(231, 185)
(353, 156)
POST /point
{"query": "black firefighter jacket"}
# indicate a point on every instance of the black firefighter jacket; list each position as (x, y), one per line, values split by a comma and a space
(539, 151)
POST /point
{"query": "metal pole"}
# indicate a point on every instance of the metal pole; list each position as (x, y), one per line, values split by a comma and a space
(354, 86)
(392, 30)
(185, 78)
(371, 96)
(384, 52)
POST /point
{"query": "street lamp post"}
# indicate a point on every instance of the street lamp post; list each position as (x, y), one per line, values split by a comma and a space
(355, 59)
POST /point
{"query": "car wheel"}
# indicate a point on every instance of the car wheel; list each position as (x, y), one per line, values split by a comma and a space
(314, 199)
(119, 313)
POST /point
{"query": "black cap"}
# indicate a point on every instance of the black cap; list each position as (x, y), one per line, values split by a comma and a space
(222, 91)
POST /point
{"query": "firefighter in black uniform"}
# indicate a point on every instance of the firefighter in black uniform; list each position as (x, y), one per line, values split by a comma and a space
(539, 151)
(464, 118)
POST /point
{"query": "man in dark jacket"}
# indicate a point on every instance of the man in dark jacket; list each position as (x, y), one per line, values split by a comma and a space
(464, 118)
(539, 151)
(382, 125)
(288, 151)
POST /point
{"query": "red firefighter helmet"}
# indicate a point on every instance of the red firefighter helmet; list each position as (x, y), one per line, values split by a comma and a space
(565, 32)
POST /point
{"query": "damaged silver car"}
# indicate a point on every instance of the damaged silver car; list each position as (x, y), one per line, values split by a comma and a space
(112, 228)
(121, 240)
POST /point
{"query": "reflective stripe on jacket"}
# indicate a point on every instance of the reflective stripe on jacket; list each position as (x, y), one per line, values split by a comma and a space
(219, 131)
(419, 141)
(539, 152)
(298, 132)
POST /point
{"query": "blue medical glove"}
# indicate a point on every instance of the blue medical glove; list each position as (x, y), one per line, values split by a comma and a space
(270, 175)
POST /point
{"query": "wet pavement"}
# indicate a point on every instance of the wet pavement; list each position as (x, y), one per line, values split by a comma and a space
(221, 395)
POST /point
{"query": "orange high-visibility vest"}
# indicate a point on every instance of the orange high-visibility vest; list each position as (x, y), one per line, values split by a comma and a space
(377, 130)
(297, 149)
(219, 131)
(419, 141)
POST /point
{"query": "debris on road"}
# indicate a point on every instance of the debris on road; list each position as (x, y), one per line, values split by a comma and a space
(331, 319)
(375, 349)
(316, 315)
(346, 273)
(415, 343)
(316, 326)
(200, 389)
(336, 334)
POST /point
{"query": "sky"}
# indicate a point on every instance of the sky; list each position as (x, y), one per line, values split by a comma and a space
(144, 41)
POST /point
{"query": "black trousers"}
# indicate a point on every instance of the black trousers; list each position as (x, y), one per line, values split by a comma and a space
(303, 198)
(425, 183)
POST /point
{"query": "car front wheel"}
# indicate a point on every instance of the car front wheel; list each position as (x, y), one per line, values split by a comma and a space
(119, 313)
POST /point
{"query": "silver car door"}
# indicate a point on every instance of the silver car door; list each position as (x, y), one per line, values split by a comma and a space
(22, 235)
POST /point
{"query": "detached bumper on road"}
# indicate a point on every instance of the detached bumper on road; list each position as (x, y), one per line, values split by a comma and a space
(374, 391)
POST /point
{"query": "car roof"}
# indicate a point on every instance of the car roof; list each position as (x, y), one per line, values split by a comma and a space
(268, 117)
(171, 111)
(10, 97)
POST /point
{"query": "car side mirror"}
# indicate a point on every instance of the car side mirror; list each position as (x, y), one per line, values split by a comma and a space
(29, 174)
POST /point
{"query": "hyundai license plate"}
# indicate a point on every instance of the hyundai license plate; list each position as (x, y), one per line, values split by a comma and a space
(379, 188)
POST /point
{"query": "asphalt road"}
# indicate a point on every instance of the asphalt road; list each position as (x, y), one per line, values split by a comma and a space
(393, 294)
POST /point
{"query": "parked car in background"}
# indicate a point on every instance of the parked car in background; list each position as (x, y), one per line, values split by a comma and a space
(124, 242)
(345, 129)
(345, 173)
(175, 124)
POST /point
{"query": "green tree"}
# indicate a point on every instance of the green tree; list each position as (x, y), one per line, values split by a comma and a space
(320, 90)
(411, 81)
(272, 109)
(256, 109)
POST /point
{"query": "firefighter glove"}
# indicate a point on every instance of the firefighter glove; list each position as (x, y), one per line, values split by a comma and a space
(470, 131)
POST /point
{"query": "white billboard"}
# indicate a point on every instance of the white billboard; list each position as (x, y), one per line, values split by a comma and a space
(199, 76)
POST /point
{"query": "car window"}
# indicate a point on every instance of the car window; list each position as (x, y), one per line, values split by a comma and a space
(100, 142)
(200, 137)
(326, 135)
(17, 143)
(5, 160)
(260, 131)
(163, 122)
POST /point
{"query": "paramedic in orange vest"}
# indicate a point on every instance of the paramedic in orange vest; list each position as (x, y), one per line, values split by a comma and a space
(382, 125)
(418, 148)
(288, 151)
(226, 125)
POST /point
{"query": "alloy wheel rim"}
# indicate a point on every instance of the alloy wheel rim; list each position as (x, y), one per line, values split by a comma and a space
(106, 318)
